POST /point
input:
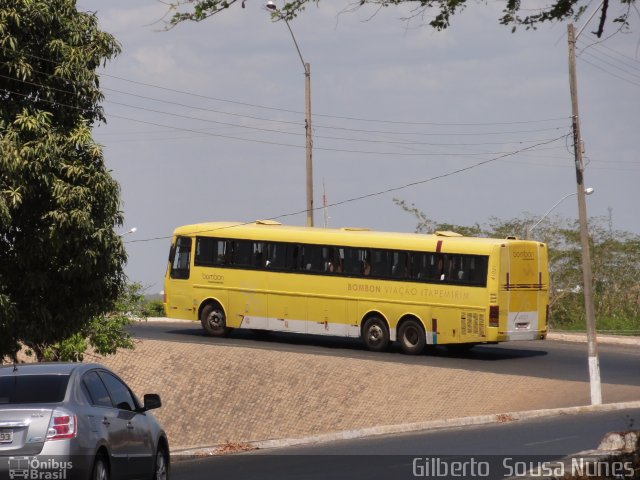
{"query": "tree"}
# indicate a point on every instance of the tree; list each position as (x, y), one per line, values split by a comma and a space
(61, 262)
(439, 12)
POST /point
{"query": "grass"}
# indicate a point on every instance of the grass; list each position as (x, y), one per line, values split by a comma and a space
(611, 325)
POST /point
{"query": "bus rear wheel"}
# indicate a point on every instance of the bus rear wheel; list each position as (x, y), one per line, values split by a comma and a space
(213, 320)
(412, 337)
(375, 334)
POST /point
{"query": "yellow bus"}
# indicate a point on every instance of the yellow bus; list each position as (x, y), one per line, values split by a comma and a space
(417, 289)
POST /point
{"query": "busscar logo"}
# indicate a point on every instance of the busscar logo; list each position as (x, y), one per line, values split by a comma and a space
(37, 469)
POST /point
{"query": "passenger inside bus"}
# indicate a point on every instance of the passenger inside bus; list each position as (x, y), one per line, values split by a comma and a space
(366, 265)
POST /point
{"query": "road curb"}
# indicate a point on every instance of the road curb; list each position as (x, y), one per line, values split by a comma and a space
(206, 451)
(164, 320)
(604, 339)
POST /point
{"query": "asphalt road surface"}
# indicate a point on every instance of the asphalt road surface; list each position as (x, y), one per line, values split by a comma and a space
(547, 359)
(498, 450)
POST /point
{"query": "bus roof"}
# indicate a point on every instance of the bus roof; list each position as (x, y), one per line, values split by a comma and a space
(348, 237)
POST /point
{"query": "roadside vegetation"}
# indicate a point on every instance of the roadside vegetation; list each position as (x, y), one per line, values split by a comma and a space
(152, 307)
(615, 257)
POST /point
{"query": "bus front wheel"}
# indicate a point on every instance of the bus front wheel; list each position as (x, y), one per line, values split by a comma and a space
(214, 320)
(412, 337)
(376, 334)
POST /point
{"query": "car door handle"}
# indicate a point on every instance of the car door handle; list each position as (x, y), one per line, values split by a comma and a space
(130, 426)
(106, 422)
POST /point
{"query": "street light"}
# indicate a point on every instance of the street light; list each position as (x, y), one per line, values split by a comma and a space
(271, 6)
(131, 230)
(587, 191)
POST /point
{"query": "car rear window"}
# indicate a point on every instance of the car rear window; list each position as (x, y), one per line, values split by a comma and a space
(18, 389)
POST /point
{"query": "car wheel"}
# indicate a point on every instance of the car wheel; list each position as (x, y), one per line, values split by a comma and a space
(213, 320)
(412, 337)
(376, 334)
(100, 468)
(161, 469)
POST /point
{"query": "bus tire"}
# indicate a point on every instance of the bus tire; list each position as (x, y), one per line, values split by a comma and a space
(412, 337)
(213, 320)
(375, 334)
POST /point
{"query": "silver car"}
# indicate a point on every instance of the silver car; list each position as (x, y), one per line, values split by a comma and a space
(64, 421)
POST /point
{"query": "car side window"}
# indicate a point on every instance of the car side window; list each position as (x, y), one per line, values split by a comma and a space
(119, 392)
(97, 391)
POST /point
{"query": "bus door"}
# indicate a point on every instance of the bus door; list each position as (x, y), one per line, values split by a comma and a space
(177, 287)
(523, 289)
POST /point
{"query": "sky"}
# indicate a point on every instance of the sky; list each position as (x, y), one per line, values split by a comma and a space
(205, 121)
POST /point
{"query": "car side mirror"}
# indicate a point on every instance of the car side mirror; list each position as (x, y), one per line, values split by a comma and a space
(152, 401)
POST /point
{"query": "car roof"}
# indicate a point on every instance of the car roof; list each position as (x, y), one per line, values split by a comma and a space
(46, 368)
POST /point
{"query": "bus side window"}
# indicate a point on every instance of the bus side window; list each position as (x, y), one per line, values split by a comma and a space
(182, 259)
(420, 266)
(312, 260)
(462, 274)
(292, 257)
(258, 254)
(399, 269)
(241, 253)
(351, 264)
(272, 254)
(210, 251)
(444, 268)
(278, 256)
(365, 262)
(331, 255)
(172, 253)
(335, 259)
(339, 260)
(382, 263)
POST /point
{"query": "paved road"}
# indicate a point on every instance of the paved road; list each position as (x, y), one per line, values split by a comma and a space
(506, 447)
(547, 359)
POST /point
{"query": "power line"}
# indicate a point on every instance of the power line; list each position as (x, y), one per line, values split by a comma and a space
(595, 57)
(350, 118)
(230, 137)
(340, 150)
(373, 194)
(611, 57)
(203, 134)
(358, 119)
(282, 121)
(388, 142)
(423, 134)
(608, 72)
(602, 45)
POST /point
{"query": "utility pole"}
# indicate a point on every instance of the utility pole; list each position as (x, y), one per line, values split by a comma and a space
(307, 94)
(271, 6)
(594, 366)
